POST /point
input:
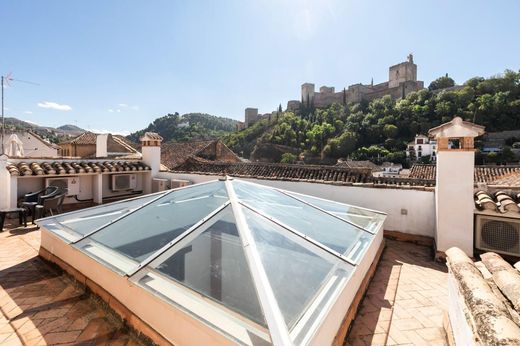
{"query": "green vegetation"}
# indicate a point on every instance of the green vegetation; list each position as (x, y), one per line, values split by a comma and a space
(288, 158)
(442, 83)
(379, 130)
(187, 127)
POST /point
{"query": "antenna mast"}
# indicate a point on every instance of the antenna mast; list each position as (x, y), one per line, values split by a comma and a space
(3, 120)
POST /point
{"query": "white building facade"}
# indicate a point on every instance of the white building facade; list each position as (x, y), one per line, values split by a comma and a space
(420, 147)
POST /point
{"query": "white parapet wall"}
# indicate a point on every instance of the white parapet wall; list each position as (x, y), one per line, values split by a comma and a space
(409, 211)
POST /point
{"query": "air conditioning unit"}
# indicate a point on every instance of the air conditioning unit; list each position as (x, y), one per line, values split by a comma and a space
(498, 234)
(123, 182)
(159, 184)
(175, 183)
(69, 183)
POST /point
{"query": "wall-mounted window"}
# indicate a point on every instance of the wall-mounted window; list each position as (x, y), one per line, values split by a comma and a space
(419, 141)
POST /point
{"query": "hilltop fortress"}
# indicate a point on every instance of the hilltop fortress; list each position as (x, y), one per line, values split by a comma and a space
(402, 80)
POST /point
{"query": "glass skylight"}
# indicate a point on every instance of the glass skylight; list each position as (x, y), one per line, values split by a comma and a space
(73, 226)
(251, 261)
(146, 230)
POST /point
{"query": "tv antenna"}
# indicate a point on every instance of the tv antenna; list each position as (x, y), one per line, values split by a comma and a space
(5, 81)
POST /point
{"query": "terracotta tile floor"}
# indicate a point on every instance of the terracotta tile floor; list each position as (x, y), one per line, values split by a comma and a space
(40, 306)
(406, 300)
(404, 304)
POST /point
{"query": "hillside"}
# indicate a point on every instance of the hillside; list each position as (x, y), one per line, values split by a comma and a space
(187, 127)
(70, 128)
(54, 135)
(379, 130)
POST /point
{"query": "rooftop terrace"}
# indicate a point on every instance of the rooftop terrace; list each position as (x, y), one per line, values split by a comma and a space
(404, 305)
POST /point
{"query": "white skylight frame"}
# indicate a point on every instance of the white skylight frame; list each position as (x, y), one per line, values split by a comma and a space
(274, 318)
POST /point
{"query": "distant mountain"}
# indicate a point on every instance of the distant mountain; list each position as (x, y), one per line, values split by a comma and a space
(70, 128)
(54, 135)
(187, 127)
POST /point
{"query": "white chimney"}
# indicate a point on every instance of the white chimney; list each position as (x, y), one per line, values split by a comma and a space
(151, 151)
(454, 188)
(101, 145)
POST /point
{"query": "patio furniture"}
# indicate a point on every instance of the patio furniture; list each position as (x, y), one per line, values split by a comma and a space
(34, 198)
(53, 204)
(22, 216)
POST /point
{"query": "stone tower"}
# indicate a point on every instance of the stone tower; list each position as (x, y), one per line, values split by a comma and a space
(250, 116)
(403, 72)
(307, 93)
(454, 186)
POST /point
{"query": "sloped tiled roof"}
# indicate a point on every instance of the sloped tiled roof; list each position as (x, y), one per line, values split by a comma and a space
(359, 164)
(483, 174)
(176, 153)
(84, 138)
(127, 142)
(511, 179)
(73, 167)
(276, 171)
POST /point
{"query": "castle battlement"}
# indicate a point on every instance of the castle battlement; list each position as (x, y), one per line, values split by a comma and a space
(402, 80)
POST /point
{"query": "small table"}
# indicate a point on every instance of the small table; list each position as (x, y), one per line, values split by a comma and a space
(31, 208)
(22, 216)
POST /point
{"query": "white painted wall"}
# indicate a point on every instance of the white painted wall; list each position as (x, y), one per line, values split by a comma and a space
(5, 184)
(101, 145)
(419, 205)
(91, 186)
(454, 200)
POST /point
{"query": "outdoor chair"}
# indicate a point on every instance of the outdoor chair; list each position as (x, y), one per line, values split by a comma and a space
(32, 199)
(52, 205)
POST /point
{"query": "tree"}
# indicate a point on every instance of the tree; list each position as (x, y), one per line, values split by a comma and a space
(442, 83)
(390, 131)
(288, 158)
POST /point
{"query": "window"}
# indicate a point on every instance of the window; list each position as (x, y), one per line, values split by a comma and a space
(454, 143)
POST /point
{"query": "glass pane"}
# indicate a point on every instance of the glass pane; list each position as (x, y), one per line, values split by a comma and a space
(361, 217)
(214, 265)
(300, 278)
(147, 230)
(74, 226)
(326, 229)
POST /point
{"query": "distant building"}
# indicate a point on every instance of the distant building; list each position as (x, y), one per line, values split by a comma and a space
(34, 146)
(391, 169)
(420, 147)
(91, 145)
(251, 116)
(240, 126)
(402, 80)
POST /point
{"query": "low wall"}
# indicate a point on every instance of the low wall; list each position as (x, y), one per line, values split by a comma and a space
(409, 211)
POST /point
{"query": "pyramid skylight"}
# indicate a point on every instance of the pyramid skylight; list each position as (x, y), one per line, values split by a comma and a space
(258, 264)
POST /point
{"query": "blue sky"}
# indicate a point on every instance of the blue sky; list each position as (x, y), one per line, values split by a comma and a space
(117, 65)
